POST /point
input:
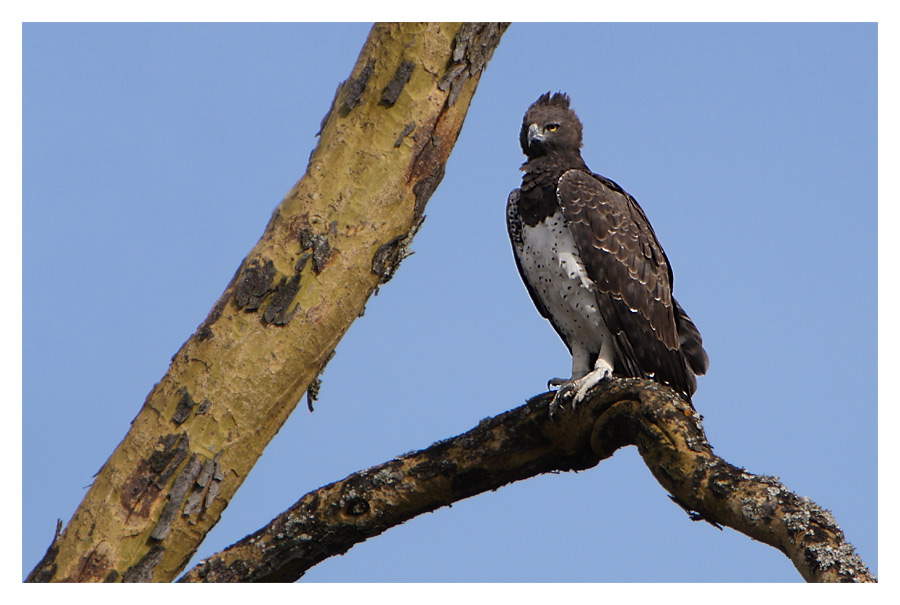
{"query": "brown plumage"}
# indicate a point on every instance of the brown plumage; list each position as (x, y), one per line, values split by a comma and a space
(593, 265)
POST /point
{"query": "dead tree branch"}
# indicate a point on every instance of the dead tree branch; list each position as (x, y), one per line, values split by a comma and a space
(524, 442)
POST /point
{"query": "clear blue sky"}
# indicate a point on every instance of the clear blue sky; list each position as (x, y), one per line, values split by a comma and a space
(153, 156)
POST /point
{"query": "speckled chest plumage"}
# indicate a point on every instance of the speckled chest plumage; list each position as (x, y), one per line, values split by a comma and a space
(551, 266)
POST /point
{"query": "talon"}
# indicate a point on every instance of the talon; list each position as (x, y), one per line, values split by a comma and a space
(555, 383)
(562, 396)
(555, 405)
(574, 390)
(566, 391)
(588, 382)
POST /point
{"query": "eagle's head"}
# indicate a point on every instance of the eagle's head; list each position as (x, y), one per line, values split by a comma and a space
(550, 126)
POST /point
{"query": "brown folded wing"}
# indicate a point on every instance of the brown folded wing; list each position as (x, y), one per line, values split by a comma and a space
(634, 282)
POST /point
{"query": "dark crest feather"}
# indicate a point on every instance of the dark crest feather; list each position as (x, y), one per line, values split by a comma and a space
(559, 99)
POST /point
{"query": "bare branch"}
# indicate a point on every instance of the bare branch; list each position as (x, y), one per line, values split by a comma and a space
(524, 442)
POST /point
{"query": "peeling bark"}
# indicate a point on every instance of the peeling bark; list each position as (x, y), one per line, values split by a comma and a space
(395, 86)
(524, 442)
(233, 384)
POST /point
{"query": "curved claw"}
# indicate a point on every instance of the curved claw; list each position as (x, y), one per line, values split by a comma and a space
(555, 383)
(562, 396)
(555, 406)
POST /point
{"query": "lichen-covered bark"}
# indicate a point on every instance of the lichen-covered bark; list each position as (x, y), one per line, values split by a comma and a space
(524, 442)
(337, 236)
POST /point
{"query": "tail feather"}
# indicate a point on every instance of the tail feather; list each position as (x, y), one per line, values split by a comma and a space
(690, 341)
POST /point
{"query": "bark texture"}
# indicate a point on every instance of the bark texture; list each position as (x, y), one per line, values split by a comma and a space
(338, 235)
(524, 442)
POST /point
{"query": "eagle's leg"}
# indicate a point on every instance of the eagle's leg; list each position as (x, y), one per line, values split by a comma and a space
(575, 389)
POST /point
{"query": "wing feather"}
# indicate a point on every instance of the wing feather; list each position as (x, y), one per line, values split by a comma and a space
(634, 281)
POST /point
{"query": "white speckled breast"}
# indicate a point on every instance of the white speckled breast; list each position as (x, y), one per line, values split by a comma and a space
(550, 261)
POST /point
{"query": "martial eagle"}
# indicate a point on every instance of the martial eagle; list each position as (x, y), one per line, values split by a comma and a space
(593, 265)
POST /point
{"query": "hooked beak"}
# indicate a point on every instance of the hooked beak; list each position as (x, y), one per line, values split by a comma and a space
(534, 134)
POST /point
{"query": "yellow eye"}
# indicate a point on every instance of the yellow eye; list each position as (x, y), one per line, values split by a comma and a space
(552, 127)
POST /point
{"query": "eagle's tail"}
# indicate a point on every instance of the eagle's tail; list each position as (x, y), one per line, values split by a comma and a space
(691, 343)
